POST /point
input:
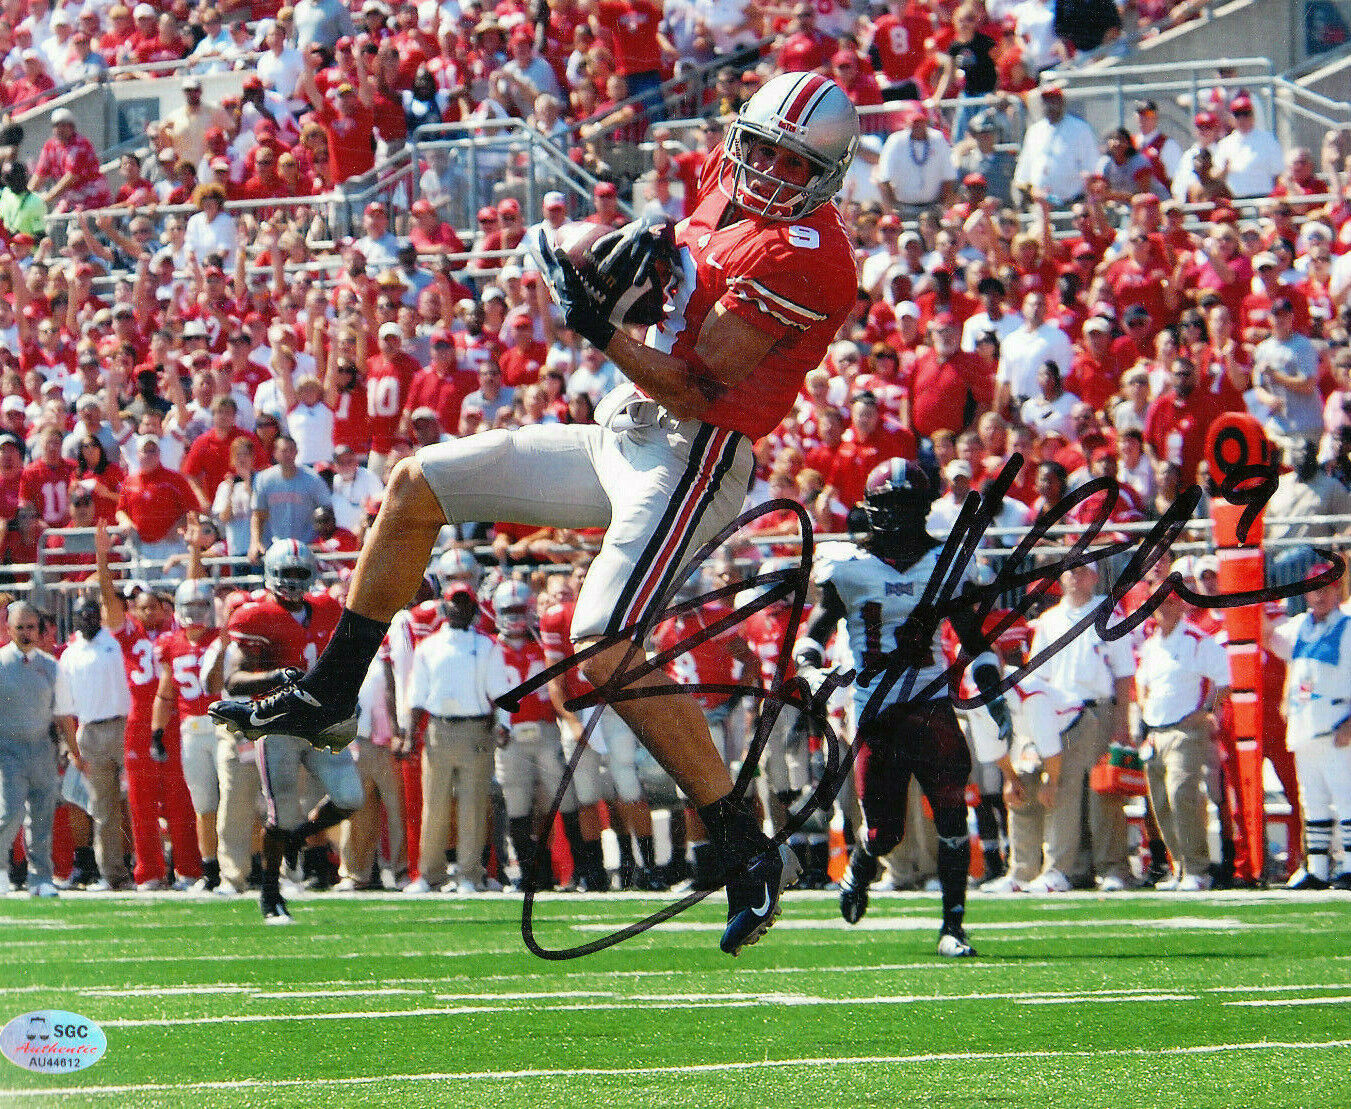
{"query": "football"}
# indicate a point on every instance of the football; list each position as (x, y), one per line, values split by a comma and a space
(644, 303)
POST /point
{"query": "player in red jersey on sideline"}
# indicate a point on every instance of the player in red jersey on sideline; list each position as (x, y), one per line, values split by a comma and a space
(764, 277)
(155, 784)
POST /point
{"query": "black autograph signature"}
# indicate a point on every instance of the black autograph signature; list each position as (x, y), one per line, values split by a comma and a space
(947, 592)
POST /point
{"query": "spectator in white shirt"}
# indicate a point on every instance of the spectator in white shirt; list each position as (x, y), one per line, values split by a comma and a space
(1051, 408)
(353, 486)
(308, 418)
(1247, 158)
(993, 319)
(1182, 675)
(1026, 350)
(1059, 152)
(915, 169)
(211, 230)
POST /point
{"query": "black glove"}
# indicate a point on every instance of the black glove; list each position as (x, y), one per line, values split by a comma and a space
(582, 309)
(158, 751)
(632, 262)
(999, 709)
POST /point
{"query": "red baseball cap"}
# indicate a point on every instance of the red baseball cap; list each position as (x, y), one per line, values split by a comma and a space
(606, 188)
(509, 207)
(1241, 103)
(375, 209)
(1206, 119)
(422, 208)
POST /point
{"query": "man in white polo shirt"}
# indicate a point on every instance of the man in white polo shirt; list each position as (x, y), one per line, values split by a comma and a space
(93, 668)
(1183, 674)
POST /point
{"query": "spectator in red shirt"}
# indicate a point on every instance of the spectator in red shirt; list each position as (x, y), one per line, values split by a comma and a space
(430, 235)
(389, 377)
(208, 459)
(329, 539)
(154, 502)
(944, 383)
(45, 483)
(634, 26)
(1178, 420)
(862, 448)
(1095, 373)
(860, 87)
(349, 125)
(522, 362)
(11, 476)
(805, 47)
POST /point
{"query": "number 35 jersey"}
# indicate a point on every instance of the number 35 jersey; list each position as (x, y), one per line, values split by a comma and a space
(878, 600)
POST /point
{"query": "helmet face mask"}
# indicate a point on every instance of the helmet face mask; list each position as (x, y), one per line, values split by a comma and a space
(194, 605)
(893, 510)
(289, 570)
(458, 566)
(512, 601)
(799, 113)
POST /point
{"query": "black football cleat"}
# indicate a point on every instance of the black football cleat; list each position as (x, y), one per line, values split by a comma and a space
(648, 880)
(288, 710)
(858, 876)
(1305, 880)
(753, 897)
(274, 907)
(953, 944)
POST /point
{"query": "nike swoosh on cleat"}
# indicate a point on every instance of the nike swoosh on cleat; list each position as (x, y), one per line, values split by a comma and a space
(764, 908)
(262, 721)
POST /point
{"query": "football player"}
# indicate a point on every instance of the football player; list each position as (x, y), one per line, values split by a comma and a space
(529, 753)
(764, 276)
(180, 655)
(155, 785)
(285, 628)
(875, 585)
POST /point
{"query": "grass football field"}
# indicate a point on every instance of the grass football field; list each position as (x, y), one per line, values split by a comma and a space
(1149, 1000)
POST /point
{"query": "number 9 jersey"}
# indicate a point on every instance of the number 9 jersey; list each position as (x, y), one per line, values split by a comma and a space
(793, 280)
(878, 600)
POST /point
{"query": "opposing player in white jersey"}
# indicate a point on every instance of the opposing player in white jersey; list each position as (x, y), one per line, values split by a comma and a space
(906, 723)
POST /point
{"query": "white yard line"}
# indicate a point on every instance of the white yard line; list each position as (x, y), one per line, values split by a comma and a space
(1274, 1002)
(932, 924)
(698, 1068)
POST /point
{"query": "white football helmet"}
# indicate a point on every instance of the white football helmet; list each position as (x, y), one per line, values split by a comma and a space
(804, 113)
(194, 604)
(289, 569)
(459, 565)
(512, 603)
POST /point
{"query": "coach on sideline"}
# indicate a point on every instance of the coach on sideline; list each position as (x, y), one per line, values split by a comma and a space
(33, 695)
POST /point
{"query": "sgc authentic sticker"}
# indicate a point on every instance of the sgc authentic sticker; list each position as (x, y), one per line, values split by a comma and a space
(53, 1041)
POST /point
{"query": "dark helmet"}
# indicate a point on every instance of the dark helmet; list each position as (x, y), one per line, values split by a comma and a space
(889, 521)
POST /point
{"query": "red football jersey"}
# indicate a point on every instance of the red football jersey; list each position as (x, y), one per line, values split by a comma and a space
(705, 661)
(183, 658)
(138, 655)
(796, 281)
(525, 659)
(555, 633)
(765, 631)
(265, 622)
(47, 488)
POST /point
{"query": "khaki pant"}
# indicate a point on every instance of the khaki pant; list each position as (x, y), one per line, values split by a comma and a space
(103, 745)
(1028, 825)
(383, 785)
(1177, 778)
(1084, 744)
(457, 760)
(240, 797)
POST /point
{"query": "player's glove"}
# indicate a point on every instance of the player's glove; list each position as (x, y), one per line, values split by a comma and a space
(158, 751)
(583, 310)
(999, 709)
(630, 263)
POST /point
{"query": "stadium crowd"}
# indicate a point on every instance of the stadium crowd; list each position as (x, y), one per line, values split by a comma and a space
(208, 386)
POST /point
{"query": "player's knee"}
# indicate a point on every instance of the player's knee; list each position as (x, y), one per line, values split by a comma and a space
(628, 788)
(408, 493)
(950, 822)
